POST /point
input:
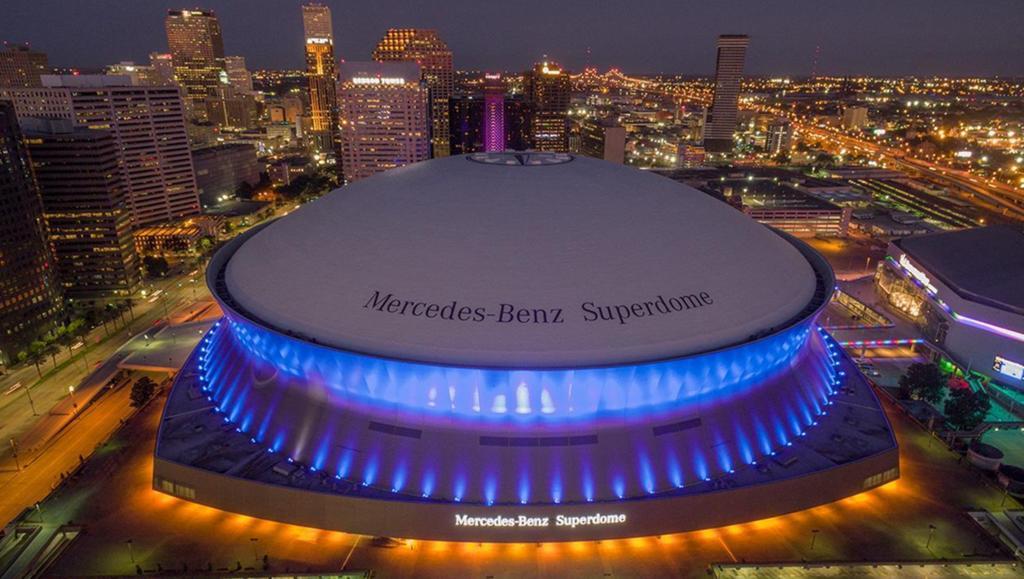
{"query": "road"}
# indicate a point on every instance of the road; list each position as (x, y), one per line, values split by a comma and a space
(989, 194)
(16, 417)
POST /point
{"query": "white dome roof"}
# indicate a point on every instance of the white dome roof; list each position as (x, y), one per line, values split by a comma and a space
(564, 243)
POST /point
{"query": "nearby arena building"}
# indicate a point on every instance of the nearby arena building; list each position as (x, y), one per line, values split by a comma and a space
(963, 289)
(519, 347)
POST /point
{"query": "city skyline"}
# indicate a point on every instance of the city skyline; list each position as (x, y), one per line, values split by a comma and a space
(792, 38)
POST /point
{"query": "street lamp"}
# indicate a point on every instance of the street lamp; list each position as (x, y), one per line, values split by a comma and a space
(931, 535)
(814, 537)
(255, 557)
(74, 403)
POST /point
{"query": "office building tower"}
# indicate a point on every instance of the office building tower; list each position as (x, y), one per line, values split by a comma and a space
(855, 117)
(383, 115)
(602, 139)
(30, 302)
(148, 124)
(548, 89)
(139, 74)
(162, 64)
(239, 76)
(517, 122)
(426, 49)
(321, 75)
(494, 113)
(20, 66)
(466, 124)
(230, 108)
(779, 137)
(85, 205)
(222, 169)
(197, 50)
(721, 122)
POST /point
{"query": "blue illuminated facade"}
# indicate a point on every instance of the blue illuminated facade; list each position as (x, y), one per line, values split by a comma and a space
(514, 436)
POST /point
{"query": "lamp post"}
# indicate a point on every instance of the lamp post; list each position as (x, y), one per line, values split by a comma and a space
(74, 403)
(814, 537)
(14, 449)
(255, 557)
(931, 535)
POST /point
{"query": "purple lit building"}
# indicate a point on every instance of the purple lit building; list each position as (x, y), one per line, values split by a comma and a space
(519, 347)
(494, 113)
(962, 289)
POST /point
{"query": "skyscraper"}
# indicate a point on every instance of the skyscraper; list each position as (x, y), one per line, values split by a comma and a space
(466, 124)
(30, 301)
(84, 202)
(163, 67)
(494, 113)
(779, 136)
(383, 116)
(239, 76)
(721, 123)
(148, 124)
(602, 139)
(197, 50)
(548, 90)
(425, 48)
(320, 74)
(21, 66)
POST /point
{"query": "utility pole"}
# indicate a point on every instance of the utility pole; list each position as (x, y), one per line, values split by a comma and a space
(31, 402)
(14, 449)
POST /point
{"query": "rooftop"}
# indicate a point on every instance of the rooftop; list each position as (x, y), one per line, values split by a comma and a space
(985, 265)
(520, 261)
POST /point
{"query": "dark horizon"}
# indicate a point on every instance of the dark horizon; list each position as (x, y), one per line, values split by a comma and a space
(871, 37)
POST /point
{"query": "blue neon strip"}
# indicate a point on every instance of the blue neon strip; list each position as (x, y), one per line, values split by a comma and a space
(755, 431)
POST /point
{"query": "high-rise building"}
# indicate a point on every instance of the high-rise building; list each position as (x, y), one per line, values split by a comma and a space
(162, 64)
(466, 124)
(231, 108)
(517, 122)
(721, 123)
(321, 75)
(239, 76)
(383, 115)
(84, 202)
(197, 49)
(30, 301)
(425, 48)
(140, 74)
(779, 137)
(20, 66)
(548, 89)
(220, 170)
(494, 113)
(602, 139)
(855, 117)
(148, 124)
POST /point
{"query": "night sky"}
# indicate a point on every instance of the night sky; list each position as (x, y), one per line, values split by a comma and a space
(884, 37)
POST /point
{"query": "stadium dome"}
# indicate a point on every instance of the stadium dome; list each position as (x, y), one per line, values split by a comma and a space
(494, 261)
(519, 346)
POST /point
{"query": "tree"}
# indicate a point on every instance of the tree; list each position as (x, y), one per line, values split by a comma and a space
(824, 160)
(34, 355)
(245, 190)
(51, 349)
(155, 265)
(965, 409)
(142, 391)
(922, 382)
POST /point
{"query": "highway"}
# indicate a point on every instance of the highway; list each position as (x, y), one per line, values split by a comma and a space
(989, 194)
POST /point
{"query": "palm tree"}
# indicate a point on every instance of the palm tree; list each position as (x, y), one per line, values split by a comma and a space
(52, 349)
(34, 355)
